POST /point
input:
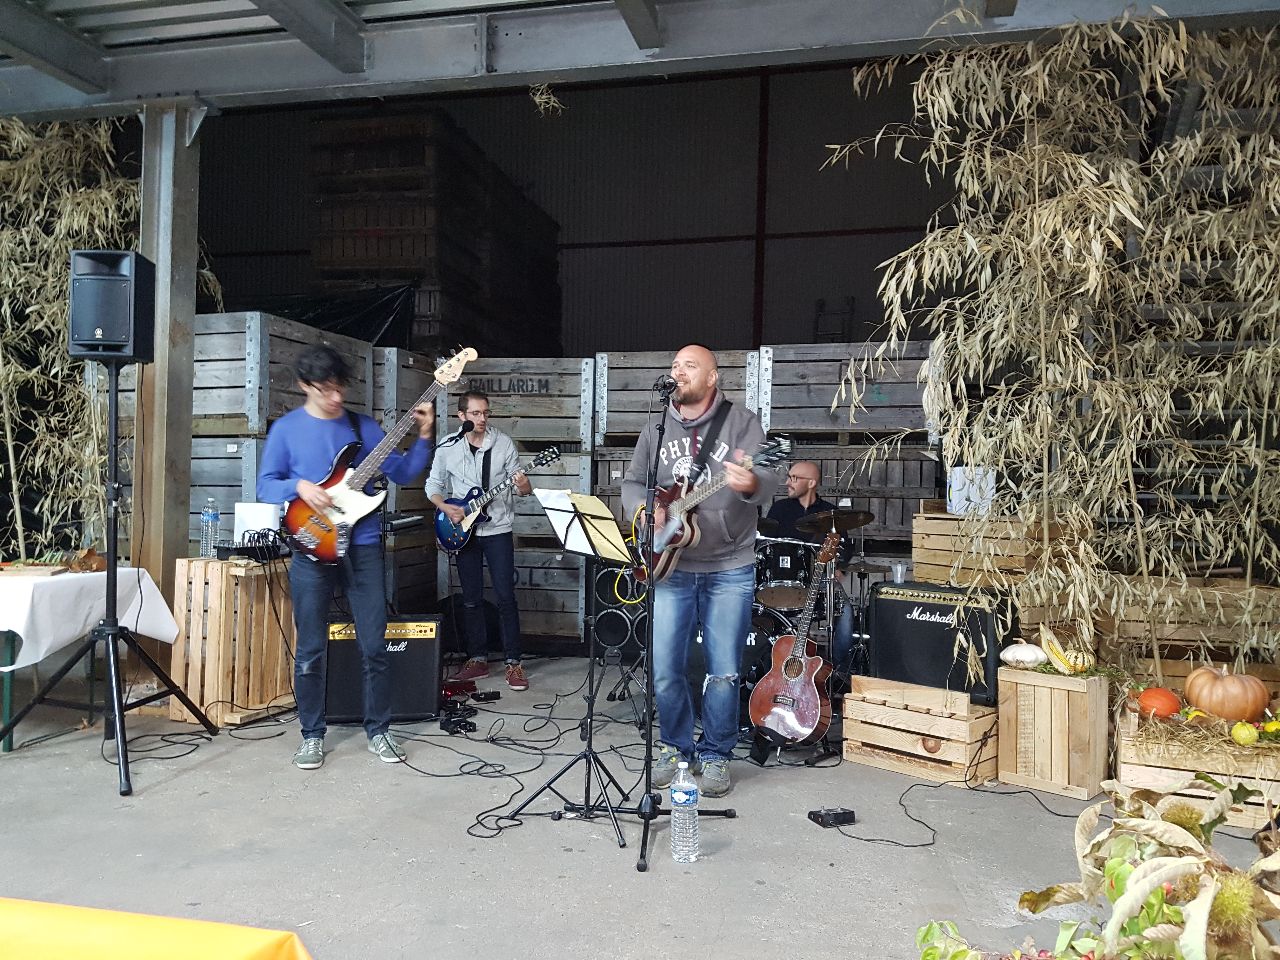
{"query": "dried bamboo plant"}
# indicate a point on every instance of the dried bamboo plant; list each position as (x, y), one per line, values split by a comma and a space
(59, 191)
(1104, 296)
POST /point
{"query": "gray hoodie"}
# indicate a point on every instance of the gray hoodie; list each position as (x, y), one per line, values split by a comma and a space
(456, 469)
(727, 519)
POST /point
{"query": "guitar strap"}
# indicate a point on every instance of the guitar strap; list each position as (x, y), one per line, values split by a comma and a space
(355, 428)
(484, 469)
(709, 440)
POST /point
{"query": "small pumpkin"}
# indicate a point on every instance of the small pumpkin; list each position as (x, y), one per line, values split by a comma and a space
(1158, 702)
(1023, 655)
(1230, 696)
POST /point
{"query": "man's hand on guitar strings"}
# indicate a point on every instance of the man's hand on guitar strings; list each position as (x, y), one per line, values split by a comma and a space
(739, 478)
(426, 417)
(314, 495)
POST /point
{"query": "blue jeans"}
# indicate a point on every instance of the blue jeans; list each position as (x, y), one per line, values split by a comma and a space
(499, 553)
(311, 585)
(721, 603)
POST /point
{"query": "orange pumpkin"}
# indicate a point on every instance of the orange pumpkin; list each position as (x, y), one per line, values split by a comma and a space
(1158, 702)
(1231, 696)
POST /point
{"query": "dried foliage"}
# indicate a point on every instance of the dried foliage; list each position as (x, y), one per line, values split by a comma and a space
(59, 191)
(1104, 298)
(545, 100)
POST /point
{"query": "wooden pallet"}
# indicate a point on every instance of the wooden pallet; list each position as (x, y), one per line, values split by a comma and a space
(923, 732)
(1157, 766)
(1053, 732)
(233, 653)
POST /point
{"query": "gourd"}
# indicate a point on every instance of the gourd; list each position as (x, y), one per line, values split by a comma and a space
(1023, 655)
(1158, 702)
(1230, 696)
(1066, 661)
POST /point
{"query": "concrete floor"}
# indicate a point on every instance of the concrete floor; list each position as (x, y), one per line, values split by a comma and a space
(369, 860)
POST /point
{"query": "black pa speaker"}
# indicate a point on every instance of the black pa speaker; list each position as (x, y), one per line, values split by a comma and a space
(113, 306)
(913, 630)
(617, 613)
(414, 646)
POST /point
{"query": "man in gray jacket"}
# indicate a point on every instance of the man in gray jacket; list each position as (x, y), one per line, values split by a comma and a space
(714, 582)
(483, 457)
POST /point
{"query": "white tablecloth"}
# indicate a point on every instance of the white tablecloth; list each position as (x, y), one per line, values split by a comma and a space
(50, 613)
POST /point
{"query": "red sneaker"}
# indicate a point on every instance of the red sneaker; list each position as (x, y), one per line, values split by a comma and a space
(516, 679)
(474, 669)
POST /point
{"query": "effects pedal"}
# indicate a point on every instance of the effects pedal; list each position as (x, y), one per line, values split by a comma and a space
(485, 696)
(833, 817)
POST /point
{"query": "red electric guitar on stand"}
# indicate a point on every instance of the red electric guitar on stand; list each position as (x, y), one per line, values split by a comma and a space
(791, 700)
(325, 535)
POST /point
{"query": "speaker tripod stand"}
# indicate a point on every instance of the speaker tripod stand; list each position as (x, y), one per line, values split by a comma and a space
(109, 631)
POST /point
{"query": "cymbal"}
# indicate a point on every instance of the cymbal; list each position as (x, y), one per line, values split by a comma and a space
(861, 566)
(766, 527)
(818, 524)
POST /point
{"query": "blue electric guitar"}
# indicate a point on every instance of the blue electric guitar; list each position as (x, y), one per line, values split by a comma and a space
(451, 536)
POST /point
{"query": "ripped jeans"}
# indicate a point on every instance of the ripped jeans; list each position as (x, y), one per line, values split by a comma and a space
(721, 603)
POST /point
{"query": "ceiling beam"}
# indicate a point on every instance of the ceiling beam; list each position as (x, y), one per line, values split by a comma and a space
(44, 44)
(641, 17)
(570, 43)
(327, 27)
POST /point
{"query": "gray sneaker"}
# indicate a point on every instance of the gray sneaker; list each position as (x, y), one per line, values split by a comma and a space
(385, 746)
(715, 777)
(310, 755)
(665, 765)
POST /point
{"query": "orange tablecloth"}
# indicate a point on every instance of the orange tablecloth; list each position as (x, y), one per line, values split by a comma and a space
(51, 931)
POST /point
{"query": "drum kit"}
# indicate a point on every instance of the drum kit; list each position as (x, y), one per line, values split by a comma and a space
(785, 570)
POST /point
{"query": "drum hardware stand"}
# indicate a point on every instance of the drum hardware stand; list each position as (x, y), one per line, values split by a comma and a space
(622, 688)
(109, 629)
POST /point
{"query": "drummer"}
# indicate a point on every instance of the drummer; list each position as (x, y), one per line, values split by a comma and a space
(802, 499)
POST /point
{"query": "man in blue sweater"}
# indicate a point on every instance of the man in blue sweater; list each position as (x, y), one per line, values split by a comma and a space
(298, 455)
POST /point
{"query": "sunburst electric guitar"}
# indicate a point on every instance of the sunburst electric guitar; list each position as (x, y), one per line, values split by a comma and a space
(325, 535)
(790, 702)
(680, 531)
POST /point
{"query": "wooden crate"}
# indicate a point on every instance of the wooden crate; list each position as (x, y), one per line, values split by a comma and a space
(798, 382)
(1176, 666)
(550, 591)
(244, 374)
(1053, 732)
(1181, 628)
(924, 732)
(539, 401)
(234, 652)
(1158, 766)
(624, 386)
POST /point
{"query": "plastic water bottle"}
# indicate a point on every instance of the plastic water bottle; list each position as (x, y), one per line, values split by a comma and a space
(684, 816)
(209, 521)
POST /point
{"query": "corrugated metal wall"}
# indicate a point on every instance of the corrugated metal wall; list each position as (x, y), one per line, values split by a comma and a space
(633, 173)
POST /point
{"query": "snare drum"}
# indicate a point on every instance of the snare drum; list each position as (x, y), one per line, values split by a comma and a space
(782, 573)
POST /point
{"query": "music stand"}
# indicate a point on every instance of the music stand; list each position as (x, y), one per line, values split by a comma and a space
(584, 525)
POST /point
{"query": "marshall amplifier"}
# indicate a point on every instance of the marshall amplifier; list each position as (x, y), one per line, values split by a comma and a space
(913, 630)
(414, 646)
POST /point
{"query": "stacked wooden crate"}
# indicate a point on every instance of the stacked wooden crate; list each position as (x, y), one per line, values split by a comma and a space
(412, 199)
(960, 551)
(540, 403)
(924, 732)
(1053, 732)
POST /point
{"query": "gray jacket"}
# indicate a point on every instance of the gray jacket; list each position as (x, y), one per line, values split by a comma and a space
(456, 469)
(727, 519)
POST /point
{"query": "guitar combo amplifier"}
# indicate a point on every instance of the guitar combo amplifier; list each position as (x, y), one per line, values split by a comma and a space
(414, 646)
(913, 630)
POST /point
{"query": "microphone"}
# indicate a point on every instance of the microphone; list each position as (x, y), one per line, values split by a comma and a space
(665, 385)
(467, 427)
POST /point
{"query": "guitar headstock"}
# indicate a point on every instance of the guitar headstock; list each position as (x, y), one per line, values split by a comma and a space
(772, 450)
(451, 369)
(829, 547)
(549, 455)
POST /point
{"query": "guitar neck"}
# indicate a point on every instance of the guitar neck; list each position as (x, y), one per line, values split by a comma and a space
(698, 494)
(487, 498)
(372, 464)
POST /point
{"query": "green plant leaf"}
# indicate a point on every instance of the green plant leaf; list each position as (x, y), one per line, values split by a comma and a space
(1145, 879)
(1066, 933)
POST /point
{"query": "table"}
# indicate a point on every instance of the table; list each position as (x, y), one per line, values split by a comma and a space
(56, 932)
(40, 615)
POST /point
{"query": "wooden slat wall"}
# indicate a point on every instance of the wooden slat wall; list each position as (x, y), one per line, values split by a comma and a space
(624, 387)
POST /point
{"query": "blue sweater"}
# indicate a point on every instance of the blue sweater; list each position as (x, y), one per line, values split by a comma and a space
(302, 447)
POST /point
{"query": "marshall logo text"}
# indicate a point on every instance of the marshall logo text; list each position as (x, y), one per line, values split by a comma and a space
(931, 617)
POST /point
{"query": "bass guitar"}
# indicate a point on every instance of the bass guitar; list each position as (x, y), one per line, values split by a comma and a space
(451, 536)
(790, 702)
(680, 531)
(325, 535)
